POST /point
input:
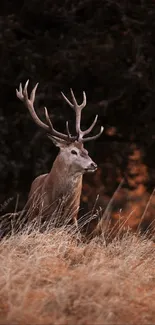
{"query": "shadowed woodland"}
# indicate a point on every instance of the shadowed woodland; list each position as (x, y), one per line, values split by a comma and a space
(106, 48)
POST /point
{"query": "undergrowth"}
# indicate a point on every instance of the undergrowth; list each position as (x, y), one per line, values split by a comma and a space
(54, 278)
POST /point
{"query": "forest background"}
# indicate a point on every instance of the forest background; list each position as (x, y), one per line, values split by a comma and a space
(106, 48)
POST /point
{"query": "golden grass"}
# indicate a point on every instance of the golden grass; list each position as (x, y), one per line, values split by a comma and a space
(53, 278)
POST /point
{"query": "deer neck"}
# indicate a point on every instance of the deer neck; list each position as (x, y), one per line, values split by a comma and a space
(62, 178)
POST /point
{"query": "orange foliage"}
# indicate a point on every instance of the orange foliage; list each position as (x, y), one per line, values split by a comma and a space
(132, 206)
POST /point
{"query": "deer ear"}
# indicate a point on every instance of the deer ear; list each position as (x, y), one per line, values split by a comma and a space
(58, 142)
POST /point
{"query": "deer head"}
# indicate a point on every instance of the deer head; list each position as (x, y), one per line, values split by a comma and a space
(72, 152)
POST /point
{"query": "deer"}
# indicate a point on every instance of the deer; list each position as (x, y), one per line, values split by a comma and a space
(64, 181)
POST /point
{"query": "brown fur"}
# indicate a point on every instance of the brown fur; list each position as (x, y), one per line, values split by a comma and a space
(48, 190)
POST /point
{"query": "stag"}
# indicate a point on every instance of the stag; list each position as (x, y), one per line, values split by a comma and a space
(65, 178)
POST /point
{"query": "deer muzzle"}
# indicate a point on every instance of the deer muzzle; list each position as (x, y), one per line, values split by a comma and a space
(91, 168)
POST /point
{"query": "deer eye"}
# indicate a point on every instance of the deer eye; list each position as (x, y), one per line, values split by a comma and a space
(74, 152)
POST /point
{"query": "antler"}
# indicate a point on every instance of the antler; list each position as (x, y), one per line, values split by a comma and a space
(78, 109)
(22, 94)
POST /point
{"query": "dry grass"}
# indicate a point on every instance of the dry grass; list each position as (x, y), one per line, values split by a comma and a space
(52, 278)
